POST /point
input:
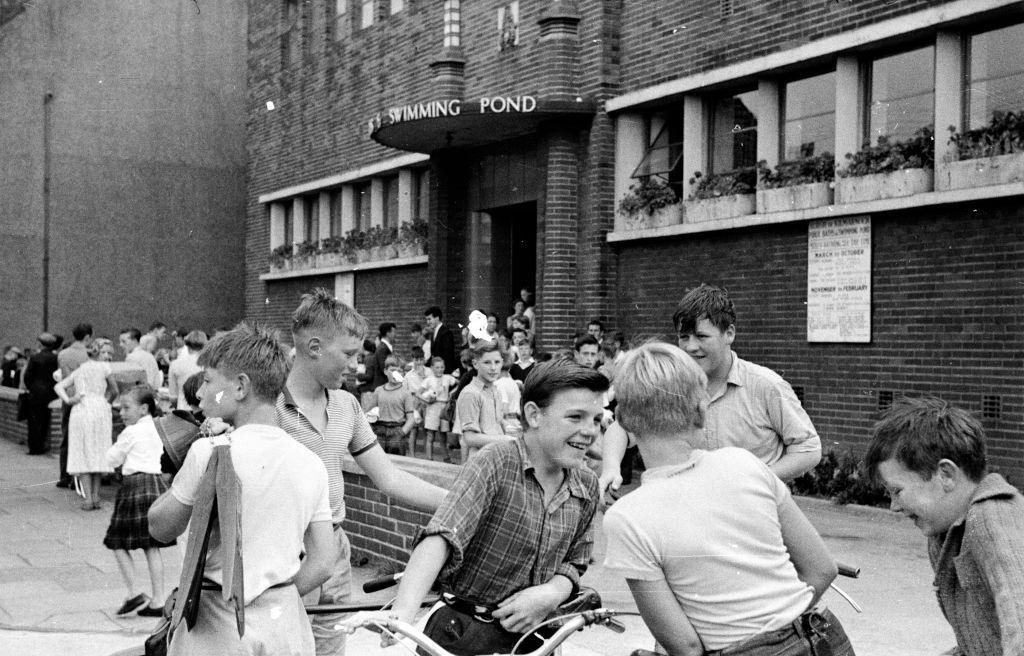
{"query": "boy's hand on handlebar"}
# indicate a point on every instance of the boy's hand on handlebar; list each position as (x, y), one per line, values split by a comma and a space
(372, 620)
(527, 608)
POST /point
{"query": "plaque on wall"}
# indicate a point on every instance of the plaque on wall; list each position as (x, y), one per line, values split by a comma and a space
(839, 280)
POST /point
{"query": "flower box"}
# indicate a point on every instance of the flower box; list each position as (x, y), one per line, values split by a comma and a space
(362, 255)
(663, 216)
(981, 172)
(414, 249)
(303, 262)
(894, 184)
(326, 260)
(281, 267)
(713, 209)
(795, 197)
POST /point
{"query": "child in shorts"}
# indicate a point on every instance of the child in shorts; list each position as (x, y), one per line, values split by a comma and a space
(435, 394)
(396, 409)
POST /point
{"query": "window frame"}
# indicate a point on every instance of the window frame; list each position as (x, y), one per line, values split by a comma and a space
(867, 80)
(967, 52)
(783, 83)
(711, 103)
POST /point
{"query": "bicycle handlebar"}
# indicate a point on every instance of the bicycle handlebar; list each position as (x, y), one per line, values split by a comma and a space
(848, 570)
(382, 582)
(398, 628)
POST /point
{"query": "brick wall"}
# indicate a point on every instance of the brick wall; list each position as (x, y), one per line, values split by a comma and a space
(947, 310)
(665, 40)
(379, 528)
(17, 431)
(396, 295)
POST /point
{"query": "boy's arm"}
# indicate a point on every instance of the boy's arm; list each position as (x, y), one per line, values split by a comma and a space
(469, 407)
(529, 607)
(614, 447)
(397, 483)
(424, 565)
(801, 445)
(320, 555)
(664, 618)
(168, 517)
(814, 565)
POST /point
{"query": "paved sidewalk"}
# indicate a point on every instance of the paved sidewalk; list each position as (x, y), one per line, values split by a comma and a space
(56, 576)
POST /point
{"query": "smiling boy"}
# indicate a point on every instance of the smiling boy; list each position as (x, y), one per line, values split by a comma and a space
(512, 538)
(930, 456)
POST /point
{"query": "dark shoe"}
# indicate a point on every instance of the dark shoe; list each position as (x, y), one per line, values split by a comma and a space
(133, 604)
(149, 611)
(65, 483)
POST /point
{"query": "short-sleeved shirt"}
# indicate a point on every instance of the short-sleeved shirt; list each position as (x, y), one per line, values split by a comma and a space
(480, 408)
(284, 489)
(143, 359)
(71, 358)
(758, 411)
(393, 403)
(346, 431)
(721, 551)
(503, 537)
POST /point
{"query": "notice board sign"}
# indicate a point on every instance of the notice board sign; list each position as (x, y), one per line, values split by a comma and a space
(839, 280)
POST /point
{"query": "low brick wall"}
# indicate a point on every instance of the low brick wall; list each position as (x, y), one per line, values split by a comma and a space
(17, 431)
(380, 528)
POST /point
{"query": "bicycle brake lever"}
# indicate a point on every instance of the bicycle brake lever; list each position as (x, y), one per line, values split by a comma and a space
(615, 625)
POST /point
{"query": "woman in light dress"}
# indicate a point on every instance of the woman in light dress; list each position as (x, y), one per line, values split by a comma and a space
(90, 425)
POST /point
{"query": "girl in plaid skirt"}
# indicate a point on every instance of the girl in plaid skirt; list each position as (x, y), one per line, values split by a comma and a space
(137, 451)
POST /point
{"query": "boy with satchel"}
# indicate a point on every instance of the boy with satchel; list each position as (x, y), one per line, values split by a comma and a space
(257, 499)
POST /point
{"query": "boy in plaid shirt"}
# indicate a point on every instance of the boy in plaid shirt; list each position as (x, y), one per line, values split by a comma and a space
(512, 538)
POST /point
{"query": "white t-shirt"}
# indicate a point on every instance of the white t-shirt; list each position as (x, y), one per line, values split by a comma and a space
(184, 365)
(284, 488)
(711, 529)
(138, 448)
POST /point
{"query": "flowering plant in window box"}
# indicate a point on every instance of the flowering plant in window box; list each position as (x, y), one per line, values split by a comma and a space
(305, 255)
(330, 252)
(720, 195)
(795, 184)
(412, 238)
(890, 169)
(381, 242)
(651, 203)
(281, 258)
(356, 246)
(989, 155)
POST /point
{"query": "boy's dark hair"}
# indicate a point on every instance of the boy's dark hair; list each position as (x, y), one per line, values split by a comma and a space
(919, 432)
(156, 325)
(369, 346)
(81, 331)
(583, 340)
(417, 352)
(251, 350)
(705, 302)
(548, 378)
(596, 322)
(191, 388)
(196, 340)
(385, 328)
(620, 337)
(415, 328)
(134, 333)
(433, 311)
(478, 347)
(145, 396)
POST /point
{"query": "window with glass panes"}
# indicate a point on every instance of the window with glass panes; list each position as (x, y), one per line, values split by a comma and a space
(312, 227)
(361, 196)
(397, 6)
(336, 213)
(340, 18)
(452, 24)
(665, 153)
(289, 221)
(901, 92)
(995, 74)
(734, 132)
(391, 201)
(291, 34)
(808, 114)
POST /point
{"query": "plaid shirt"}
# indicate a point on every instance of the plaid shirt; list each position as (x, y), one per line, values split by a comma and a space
(502, 537)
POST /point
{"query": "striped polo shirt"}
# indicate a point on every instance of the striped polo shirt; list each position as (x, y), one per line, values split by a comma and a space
(347, 431)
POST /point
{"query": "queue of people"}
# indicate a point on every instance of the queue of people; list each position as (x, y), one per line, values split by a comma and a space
(541, 439)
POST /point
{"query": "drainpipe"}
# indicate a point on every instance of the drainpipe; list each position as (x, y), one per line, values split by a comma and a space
(47, 100)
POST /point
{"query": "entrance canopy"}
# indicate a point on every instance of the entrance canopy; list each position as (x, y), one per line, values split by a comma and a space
(436, 124)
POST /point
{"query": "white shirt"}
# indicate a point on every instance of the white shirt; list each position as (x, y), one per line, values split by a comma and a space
(138, 448)
(284, 488)
(179, 371)
(145, 361)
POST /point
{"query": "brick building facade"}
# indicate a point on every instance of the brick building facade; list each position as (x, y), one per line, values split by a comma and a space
(514, 130)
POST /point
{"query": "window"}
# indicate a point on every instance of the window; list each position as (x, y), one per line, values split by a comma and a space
(901, 94)
(734, 133)
(391, 201)
(290, 33)
(340, 19)
(452, 24)
(809, 110)
(336, 213)
(995, 74)
(421, 194)
(366, 14)
(361, 197)
(397, 6)
(311, 231)
(289, 222)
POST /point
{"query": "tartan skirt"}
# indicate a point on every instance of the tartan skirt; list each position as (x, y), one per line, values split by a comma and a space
(129, 525)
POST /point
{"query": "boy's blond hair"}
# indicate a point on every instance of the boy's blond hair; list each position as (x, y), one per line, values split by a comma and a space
(321, 311)
(251, 350)
(659, 391)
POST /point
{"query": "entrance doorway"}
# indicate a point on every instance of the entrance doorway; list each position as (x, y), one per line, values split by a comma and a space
(503, 256)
